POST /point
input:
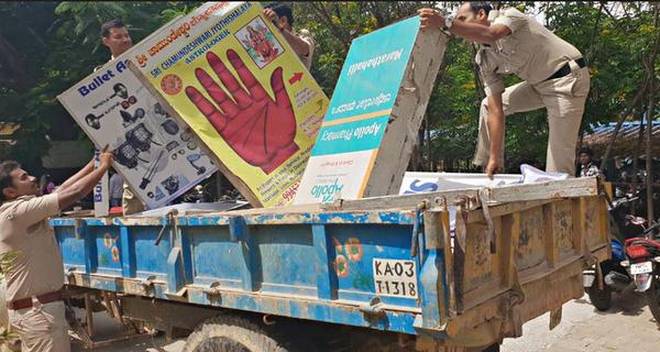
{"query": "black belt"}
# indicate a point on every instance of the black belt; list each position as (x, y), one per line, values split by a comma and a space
(43, 299)
(566, 69)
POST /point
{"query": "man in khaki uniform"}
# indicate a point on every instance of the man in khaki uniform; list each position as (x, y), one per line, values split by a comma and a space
(35, 276)
(554, 73)
(115, 36)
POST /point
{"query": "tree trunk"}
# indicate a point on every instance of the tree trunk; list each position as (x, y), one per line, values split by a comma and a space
(649, 130)
(649, 155)
(640, 143)
(619, 123)
(427, 136)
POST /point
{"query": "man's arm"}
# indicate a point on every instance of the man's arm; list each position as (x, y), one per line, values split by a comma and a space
(300, 46)
(495, 124)
(470, 31)
(73, 179)
(84, 185)
(479, 33)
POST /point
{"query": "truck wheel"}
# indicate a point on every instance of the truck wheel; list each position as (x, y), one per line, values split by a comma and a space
(653, 298)
(231, 334)
(601, 299)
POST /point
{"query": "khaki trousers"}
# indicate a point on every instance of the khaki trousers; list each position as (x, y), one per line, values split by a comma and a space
(41, 328)
(564, 98)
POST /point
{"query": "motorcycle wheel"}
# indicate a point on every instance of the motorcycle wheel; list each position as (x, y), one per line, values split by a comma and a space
(653, 298)
(601, 299)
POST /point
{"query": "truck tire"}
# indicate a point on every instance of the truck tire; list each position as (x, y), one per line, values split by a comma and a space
(653, 298)
(601, 299)
(227, 333)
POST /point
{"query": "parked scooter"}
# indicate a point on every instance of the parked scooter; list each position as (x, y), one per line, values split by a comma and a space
(643, 264)
(199, 194)
(615, 277)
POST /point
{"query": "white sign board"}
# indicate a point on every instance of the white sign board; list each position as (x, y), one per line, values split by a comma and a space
(423, 182)
(158, 157)
(101, 192)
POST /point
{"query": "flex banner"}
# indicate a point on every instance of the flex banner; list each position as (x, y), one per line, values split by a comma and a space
(158, 157)
(352, 132)
(228, 72)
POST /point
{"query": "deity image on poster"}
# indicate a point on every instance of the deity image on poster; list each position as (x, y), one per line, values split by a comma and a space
(259, 42)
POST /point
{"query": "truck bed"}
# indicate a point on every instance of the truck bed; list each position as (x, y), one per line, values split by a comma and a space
(461, 268)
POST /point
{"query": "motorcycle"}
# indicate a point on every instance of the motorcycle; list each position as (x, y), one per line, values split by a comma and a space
(615, 277)
(199, 194)
(643, 264)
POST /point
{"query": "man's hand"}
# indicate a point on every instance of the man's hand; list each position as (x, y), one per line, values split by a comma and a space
(271, 15)
(430, 18)
(79, 188)
(492, 167)
(106, 158)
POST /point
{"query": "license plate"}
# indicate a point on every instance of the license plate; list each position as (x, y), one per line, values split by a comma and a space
(396, 278)
(641, 268)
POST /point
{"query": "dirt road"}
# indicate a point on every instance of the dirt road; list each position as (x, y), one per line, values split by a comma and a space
(628, 326)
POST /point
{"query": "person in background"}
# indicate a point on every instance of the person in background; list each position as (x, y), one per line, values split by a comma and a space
(116, 189)
(554, 73)
(301, 41)
(587, 166)
(116, 38)
(35, 274)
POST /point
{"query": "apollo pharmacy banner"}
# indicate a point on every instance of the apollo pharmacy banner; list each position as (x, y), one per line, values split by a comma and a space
(228, 72)
(158, 157)
(352, 130)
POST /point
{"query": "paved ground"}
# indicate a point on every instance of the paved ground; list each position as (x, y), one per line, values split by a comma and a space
(628, 326)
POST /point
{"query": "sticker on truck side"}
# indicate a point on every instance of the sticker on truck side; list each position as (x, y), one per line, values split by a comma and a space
(396, 278)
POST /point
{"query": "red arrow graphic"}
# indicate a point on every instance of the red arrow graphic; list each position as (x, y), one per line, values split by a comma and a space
(295, 78)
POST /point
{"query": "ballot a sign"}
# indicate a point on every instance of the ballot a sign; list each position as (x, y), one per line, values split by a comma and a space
(158, 157)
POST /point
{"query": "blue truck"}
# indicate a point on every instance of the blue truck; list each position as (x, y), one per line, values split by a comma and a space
(455, 270)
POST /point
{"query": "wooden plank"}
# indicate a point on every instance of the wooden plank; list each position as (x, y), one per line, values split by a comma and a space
(510, 236)
(530, 248)
(505, 209)
(570, 188)
(449, 273)
(580, 226)
(478, 259)
(550, 235)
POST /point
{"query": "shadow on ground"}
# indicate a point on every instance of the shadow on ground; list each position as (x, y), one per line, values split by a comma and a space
(628, 303)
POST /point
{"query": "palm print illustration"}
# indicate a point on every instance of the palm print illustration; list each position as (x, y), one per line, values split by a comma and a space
(259, 129)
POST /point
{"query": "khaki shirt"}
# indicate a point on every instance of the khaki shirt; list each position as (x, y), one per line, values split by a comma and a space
(24, 229)
(531, 51)
(306, 36)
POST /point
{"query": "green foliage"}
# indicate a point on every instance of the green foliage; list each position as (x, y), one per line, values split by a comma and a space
(62, 44)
